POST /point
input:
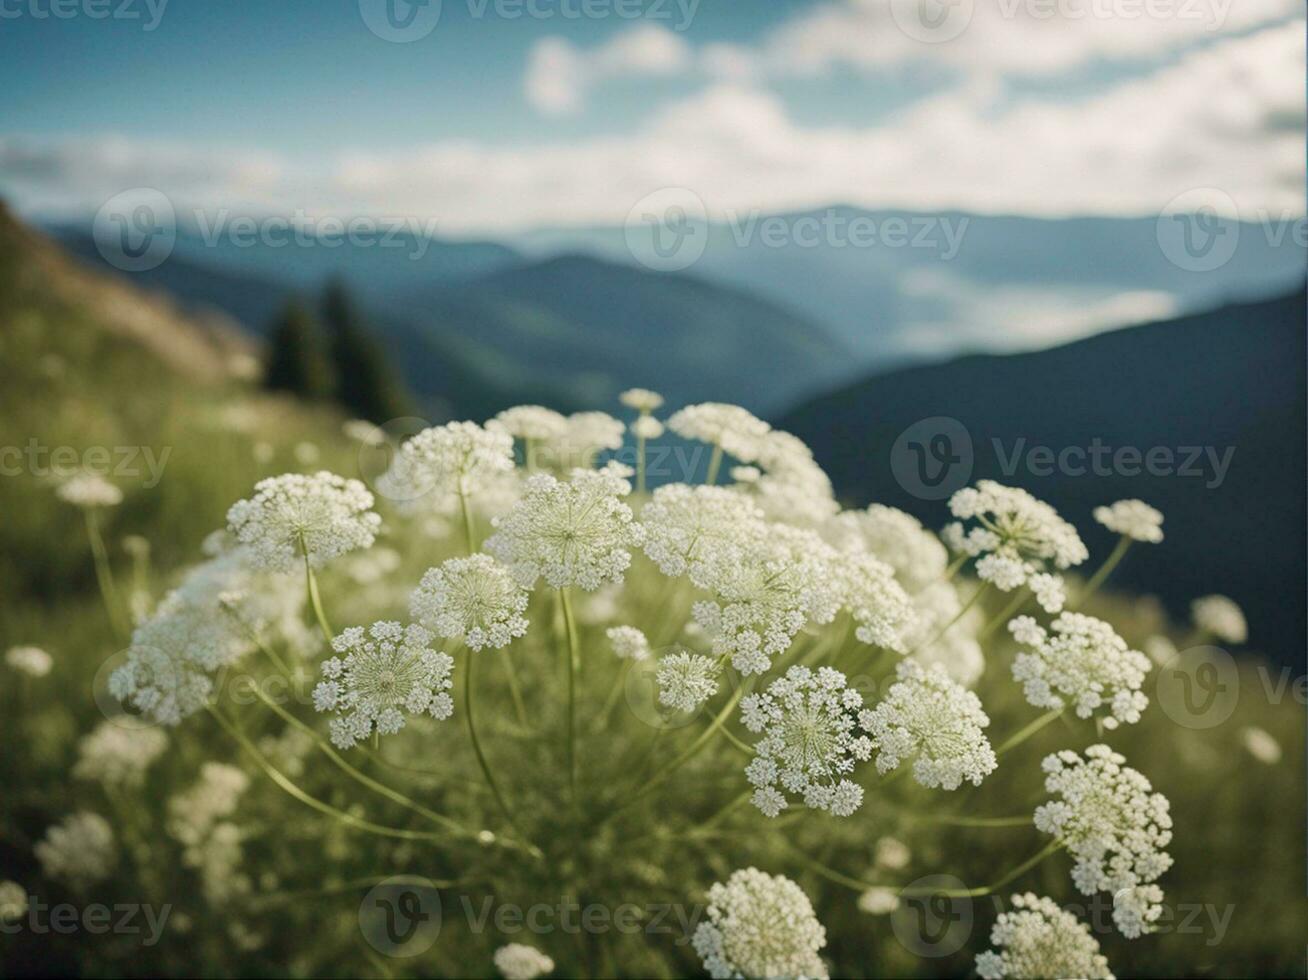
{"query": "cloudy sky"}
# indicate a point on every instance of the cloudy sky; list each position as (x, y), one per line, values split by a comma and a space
(499, 115)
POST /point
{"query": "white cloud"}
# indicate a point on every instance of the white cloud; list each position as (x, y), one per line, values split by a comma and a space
(559, 74)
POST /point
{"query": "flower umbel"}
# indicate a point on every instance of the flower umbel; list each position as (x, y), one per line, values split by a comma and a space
(1038, 940)
(475, 599)
(760, 925)
(294, 516)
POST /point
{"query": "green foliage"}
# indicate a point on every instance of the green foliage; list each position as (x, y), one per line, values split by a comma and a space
(298, 362)
(366, 385)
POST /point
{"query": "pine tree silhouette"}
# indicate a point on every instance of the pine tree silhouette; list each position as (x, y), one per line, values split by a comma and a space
(367, 386)
(297, 359)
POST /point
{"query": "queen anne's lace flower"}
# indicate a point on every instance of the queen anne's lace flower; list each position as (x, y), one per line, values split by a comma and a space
(115, 755)
(13, 901)
(878, 900)
(588, 433)
(88, 490)
(1220, 616)
(519, 962)
(1084, 663)
(386, 673)
(792, 488)
(811, 741)
(729, 427)
(647, 427)
(956, 648)
(628, 642)
(475, 599)
(686, 525)
(642, 400)
(931, 719)
(897, 538)
(883, 612)
(1050, 591)
(1016, 533)
(760, 925)
(686, 680)
(574, 533)
(80, 850)
(294, 515)
(530, 423)
(1261, 744)
(1115, 826)
(32, 661)
(1038, 940)
(451, 459)
(194, 812)
(1133, 518)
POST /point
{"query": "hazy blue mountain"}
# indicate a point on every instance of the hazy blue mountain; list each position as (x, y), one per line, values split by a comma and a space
(1229, 381)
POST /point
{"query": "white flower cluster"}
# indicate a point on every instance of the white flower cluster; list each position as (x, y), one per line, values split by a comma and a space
(193, 813)
(80, 850)
(1038, 940)
(731, 428)
(475, 599)
(577, 532)
(628, 642)
(1133, 518)
(116, 755)
(760, 925)
(642, 400)
(586, 434)
(385, 672)
(29, 660)
(811, 741)
(929, 718)
(294, 516)
(883, 612)
(1220, 616)
(530, 423)
(456, 458)
(1014, 537)
(791, 487)
(1115, 826)
(686, 526)
(956, 648)
(686, 680)
(516, 961)
(897, 538)
(1085, 663)
(13, 901)
(88, 490)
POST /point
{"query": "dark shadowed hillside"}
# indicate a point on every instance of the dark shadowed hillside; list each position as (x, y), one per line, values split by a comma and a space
(1224, 388)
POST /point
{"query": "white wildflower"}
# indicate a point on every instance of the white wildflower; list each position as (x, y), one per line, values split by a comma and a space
(1049, 590)
(116, 755)
(80, 850)
(13, 901)
(452, 459)
(1261, 744)
(519, 962)
(811, 741)
(642, 400)
(684, 525)
(29, 660)
(792, 488)
(1116, 828)
(1016, 533)
(89, 490)
(760, 925)
(475, 599)
(746, 474)
(956, 649)
(878, 900)
(193, 813)
(892, 853)
(686, 680)
(575, 533)
(1133, 518)
(934, 721)
(1160, 649)
(728, 427)
(1085, 664)
(628, 642)
(882, 610)
(1038, 940)
(647, 427)
(588, 433)
(1220, 616)
(363, 431)
(530, 423)
(296, 515)
(385, 673)
(897, 538)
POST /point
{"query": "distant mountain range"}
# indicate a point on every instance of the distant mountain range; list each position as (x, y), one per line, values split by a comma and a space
(1217, 397)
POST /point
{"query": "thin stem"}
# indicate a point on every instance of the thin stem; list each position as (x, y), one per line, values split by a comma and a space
(640, 464)
(976, 597)
(468, 702)
(104, 575)
(1017, 872)
(1007, 613)
(610, 702)
(311, 584)
(1106, 569)
(1023, 820)
(519, 707)
(954, 566)
(469, 535)
(715, 463)
(570, 628)
(1028, 730)
(743, 746)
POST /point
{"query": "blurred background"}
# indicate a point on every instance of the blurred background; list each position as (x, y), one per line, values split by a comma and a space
(1061, 245)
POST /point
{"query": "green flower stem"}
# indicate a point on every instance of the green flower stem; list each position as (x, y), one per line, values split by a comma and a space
(954, 566)
(1023, 820)
(570, 628)
(1051, 848)
(1008, 612)
(519, 706)
(640, 464)
(1026, 732)
(611, 701)
(743, 746)
(311, 584)
(976, 597)
(715, 463)
(469, 533)
(1106, 569)
(104, 575)
(468, 702)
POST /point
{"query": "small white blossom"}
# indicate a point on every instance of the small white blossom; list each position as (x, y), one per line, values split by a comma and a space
(88, 490)
(80, 850)
(588, 433)
(686, 525)
(642, 400)
(1133, 518)
(296, 515)
(878, 901)
(451, 459)
(793, 488)
(729, 427)
(1038, 940)
(1049, 590)
(13, 901)
(934, 721)
(1220, 616)
(519, 962)
(647, 427)
(628, 642)
(575, 533)
(1116, 828)
(882, 610)
(760, 925)
(194, 812)
(32, 661)
(361, 430)
(746, 474)
(811, 741)
(1160, 649)
(956, 648)
(117, 755)
(892, 853)
(386, 673)
(474, 599)
(1084, 663)
(686, 680)
(897, 538)
(1261, 744)
(1016, 533)
(530, 423)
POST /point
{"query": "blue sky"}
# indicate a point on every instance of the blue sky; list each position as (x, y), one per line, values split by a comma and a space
(490, 122)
